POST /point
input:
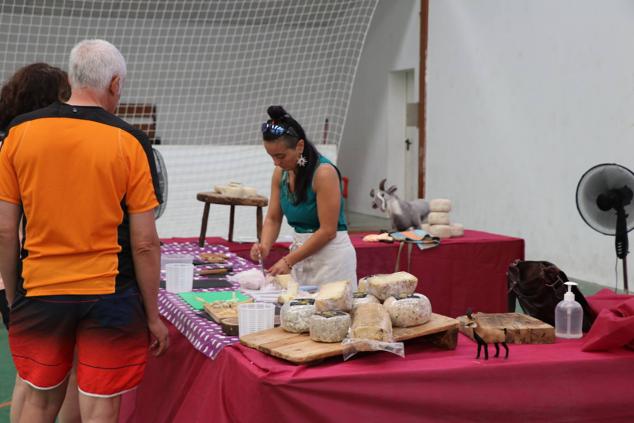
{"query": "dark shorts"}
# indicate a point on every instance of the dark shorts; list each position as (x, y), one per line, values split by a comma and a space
(108, 333)
(4, 308)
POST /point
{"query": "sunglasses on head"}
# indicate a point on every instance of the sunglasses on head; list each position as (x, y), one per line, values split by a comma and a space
(277, 130)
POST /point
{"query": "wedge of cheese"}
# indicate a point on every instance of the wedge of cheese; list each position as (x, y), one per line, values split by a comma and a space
(334, 296)
(371, 321)
(283, 280)
(291, 292)
(392, 285)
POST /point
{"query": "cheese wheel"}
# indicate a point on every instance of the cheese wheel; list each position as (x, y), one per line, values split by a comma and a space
(391, 285)
(295, 315)
(441, 231)
(438, 218)
(456, 229)
(440, 205)
(334, 296)
(426, 227)
(249, 192)
(408, 311)
(329, 326)
(371, 321)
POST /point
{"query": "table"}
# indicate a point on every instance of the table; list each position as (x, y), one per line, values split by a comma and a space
(553, 383)
(469, 271)
(209, 198)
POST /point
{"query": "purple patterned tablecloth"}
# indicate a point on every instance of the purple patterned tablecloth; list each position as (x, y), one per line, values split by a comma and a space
(205, 335)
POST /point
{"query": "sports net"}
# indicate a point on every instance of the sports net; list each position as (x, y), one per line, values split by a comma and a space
(208, 70)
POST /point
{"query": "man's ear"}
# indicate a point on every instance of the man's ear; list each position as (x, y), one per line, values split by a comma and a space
(115, 86)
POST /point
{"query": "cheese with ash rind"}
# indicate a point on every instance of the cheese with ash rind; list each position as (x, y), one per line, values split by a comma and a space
(329, 326)
(392, 285)
(371, 321)
(295, 315)
(362, 298)
(334, 296)
(408, 311)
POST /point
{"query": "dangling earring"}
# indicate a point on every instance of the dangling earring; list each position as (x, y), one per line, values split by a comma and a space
(301, 162)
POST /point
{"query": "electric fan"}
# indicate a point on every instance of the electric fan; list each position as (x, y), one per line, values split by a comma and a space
(161, 171)
(604, 200)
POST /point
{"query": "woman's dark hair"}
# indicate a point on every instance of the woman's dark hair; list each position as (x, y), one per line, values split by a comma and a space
(30, 88)
(294, 133)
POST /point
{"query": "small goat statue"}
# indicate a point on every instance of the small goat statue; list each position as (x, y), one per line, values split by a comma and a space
(403, 214)
(487, 335)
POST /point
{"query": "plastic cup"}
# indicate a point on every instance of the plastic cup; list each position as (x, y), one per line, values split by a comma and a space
(175, 258)
(255, 317)
(179, 277)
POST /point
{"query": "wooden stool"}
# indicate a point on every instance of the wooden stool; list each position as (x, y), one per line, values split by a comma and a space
(214, 198)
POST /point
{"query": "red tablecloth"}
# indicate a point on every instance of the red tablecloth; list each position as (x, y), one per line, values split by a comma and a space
(469, 271)
(549, 383)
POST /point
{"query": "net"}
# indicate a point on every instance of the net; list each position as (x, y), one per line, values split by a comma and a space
(208, 70)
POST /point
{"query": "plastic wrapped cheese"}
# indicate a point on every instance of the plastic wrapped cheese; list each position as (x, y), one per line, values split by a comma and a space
(438, 218)
(362, 298)
(334, 296)
(329, 326)
(440, 205)
(408, 311)
(295, 315)
(371, 321)
(391, 285)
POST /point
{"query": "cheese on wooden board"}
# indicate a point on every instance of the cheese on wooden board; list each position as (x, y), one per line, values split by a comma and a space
(371, 321)
(362, 298)
(363, 285)
(408, 311)
(334, 296)
(283, 280)
(392, 285)
(295, 315)
(329, 326)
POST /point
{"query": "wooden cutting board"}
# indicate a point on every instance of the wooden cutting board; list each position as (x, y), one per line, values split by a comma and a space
(442, 331)
(520, 328)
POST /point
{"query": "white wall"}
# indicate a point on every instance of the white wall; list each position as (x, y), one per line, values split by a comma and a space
(372, 147)
(523, 97)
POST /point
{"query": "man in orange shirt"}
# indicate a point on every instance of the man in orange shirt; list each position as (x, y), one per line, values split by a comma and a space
(87, 273)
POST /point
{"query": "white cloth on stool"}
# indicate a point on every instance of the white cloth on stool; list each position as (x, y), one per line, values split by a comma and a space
(336, 261)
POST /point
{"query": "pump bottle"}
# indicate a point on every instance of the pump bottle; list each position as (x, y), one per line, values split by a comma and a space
(568, 316)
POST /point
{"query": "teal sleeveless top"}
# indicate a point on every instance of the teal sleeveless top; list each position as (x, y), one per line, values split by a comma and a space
(303, 216)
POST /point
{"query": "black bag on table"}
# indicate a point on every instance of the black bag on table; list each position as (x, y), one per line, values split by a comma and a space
(539, 287)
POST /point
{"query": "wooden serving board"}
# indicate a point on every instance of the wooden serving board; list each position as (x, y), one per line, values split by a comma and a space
(520, 328)
(218, 314)
(299, 348)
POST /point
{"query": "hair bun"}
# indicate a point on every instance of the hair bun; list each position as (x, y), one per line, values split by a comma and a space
(277, 112)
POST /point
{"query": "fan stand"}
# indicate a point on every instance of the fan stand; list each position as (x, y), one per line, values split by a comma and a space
(621, 242)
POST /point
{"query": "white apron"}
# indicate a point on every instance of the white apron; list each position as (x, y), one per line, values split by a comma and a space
(336, 261)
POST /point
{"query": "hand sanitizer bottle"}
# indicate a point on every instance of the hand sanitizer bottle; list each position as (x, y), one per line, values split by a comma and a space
(568, 316)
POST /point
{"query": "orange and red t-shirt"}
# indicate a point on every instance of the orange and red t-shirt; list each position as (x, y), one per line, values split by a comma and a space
(77, 172)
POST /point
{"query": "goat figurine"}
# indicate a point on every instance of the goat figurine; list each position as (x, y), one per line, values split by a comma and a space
(403, 214)
(487, 335)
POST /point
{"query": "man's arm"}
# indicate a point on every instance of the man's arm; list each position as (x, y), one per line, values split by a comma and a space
(9, 247)
(146, 253)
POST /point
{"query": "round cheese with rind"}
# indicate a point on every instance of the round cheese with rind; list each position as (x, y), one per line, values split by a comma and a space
(329, 326)
(457, 229)
(440, 231)
(440, 205)
(295, 315)
(438, 218)
(391, 285)
(408, 311)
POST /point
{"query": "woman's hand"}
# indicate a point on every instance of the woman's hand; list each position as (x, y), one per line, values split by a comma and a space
(258, 251)
(282, 267)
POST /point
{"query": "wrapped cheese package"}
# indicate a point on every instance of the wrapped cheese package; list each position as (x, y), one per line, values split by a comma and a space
(371, 321)
(334, 296)
(362, 298)
(391, 285)
(408, 311)
(329, 326)
(295, 315)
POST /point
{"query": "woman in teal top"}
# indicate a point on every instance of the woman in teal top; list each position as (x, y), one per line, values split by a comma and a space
(306, 188)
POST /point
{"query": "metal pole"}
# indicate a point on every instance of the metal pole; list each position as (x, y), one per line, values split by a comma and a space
(625, 287)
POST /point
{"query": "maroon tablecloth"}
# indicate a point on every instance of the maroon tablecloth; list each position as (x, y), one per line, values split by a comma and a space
(548, 383)
(469, 271)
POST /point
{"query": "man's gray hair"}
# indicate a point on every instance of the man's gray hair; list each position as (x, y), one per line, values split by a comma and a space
(93, 64)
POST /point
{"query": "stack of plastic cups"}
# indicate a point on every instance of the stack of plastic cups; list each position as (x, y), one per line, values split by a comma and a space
(255, 317)
(179, 277)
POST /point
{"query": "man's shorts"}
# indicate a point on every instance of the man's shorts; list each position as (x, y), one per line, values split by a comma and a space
(108, 333)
